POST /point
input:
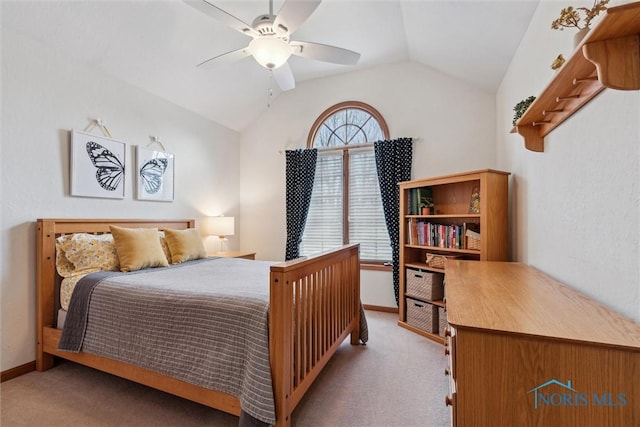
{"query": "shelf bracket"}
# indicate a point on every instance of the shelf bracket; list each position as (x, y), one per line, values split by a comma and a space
(617, 61)
(532, 139)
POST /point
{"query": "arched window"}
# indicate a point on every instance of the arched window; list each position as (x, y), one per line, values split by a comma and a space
(345, 203)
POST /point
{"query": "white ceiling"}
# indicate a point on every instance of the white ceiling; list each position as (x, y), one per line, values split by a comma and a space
(155, 45)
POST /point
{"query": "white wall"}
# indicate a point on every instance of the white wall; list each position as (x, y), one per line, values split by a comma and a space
(455, 124)
(43, 97)
(575, 207)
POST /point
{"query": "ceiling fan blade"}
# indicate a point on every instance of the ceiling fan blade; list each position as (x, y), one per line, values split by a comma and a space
(220, 15)
(292, 14)
(225, 58)
(326, 53)
(284, 77)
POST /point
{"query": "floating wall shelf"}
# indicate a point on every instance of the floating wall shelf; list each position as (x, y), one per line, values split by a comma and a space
(609, 56)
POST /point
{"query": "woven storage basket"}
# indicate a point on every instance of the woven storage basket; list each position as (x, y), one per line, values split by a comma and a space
(473, 240)
(422, 315)
(424, 284)
(438, 261)
(473, 243)
(442, 321)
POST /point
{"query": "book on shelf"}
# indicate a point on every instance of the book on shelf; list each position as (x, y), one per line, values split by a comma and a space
(417, 198)
(426, 233)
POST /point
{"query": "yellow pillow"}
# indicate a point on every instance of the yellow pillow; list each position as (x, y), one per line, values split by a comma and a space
(165, 247)
(138, 248)
(184, 245)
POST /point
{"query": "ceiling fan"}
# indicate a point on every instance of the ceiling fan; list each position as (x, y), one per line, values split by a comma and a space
(271, 46)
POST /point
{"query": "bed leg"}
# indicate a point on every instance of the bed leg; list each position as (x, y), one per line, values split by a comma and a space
(355, 335)
(44, 362)
(355, 338)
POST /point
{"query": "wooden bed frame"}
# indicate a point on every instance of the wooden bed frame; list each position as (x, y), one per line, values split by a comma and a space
(302, 338)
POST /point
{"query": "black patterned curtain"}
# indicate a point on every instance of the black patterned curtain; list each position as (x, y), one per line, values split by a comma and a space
(393, 162)
(301, 171)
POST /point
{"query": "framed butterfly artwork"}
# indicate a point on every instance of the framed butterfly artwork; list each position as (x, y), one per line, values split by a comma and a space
(97, 166)
(155, 174)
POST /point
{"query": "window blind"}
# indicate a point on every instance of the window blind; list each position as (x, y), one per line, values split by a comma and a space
(367, 225)
(324, 228)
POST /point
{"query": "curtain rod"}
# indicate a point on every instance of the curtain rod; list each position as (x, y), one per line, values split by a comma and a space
(344, 147)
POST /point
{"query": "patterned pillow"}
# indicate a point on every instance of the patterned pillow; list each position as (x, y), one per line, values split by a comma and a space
(63, 265)
(68, 285)
(86, 252)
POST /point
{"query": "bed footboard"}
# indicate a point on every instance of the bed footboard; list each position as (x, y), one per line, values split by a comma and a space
(315, 304)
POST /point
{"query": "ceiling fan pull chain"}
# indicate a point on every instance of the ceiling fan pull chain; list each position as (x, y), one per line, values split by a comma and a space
(270, 89)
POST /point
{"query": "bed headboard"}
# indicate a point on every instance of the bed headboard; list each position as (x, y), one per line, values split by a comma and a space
(46, 275)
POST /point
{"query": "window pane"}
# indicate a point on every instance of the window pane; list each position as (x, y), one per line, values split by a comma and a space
(349, 125)
(373, 131)
(323, 230)
(366, 216)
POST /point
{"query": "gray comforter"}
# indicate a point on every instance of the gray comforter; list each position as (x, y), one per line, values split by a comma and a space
(166, 320)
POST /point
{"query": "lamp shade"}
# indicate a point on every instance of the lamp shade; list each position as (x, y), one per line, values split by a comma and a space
(221, 226)
(270, 52)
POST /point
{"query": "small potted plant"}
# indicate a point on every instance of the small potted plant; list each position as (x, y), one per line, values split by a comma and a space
(426, 205)
(521, 107)
(579, 18)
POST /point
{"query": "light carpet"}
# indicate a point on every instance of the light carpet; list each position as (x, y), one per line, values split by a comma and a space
(397, 379)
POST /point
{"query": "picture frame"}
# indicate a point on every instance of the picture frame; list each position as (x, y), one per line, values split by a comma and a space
(97, 166)
(154, 175)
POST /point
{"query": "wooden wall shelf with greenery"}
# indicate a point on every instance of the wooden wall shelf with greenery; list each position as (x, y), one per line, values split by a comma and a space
(608, 57)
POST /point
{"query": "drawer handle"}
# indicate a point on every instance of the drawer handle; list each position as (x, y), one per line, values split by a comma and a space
(446, 372)
(446, 352)
(448, 401)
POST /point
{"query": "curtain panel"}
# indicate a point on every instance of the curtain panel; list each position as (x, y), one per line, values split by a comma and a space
(393, 162)
(300, 174)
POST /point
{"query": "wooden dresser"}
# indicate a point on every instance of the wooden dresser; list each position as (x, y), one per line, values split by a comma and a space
(527, 350)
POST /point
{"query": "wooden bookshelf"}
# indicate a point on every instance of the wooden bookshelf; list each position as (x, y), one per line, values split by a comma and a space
(451, 196)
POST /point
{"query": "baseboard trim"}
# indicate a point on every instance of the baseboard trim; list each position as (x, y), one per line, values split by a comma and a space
(17, 371)
(380, 308)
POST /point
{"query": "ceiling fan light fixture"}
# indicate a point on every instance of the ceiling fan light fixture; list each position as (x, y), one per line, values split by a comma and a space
(270, 52)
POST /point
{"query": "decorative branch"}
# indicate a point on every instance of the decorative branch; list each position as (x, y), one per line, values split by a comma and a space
(570, 17)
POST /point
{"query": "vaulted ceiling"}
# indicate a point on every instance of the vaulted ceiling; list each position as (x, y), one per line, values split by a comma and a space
(156, 45)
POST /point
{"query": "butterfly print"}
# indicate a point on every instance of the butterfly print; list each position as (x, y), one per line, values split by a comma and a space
(110, 169)
(151, 173)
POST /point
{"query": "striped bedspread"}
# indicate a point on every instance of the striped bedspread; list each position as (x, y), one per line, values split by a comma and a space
(204, 322)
